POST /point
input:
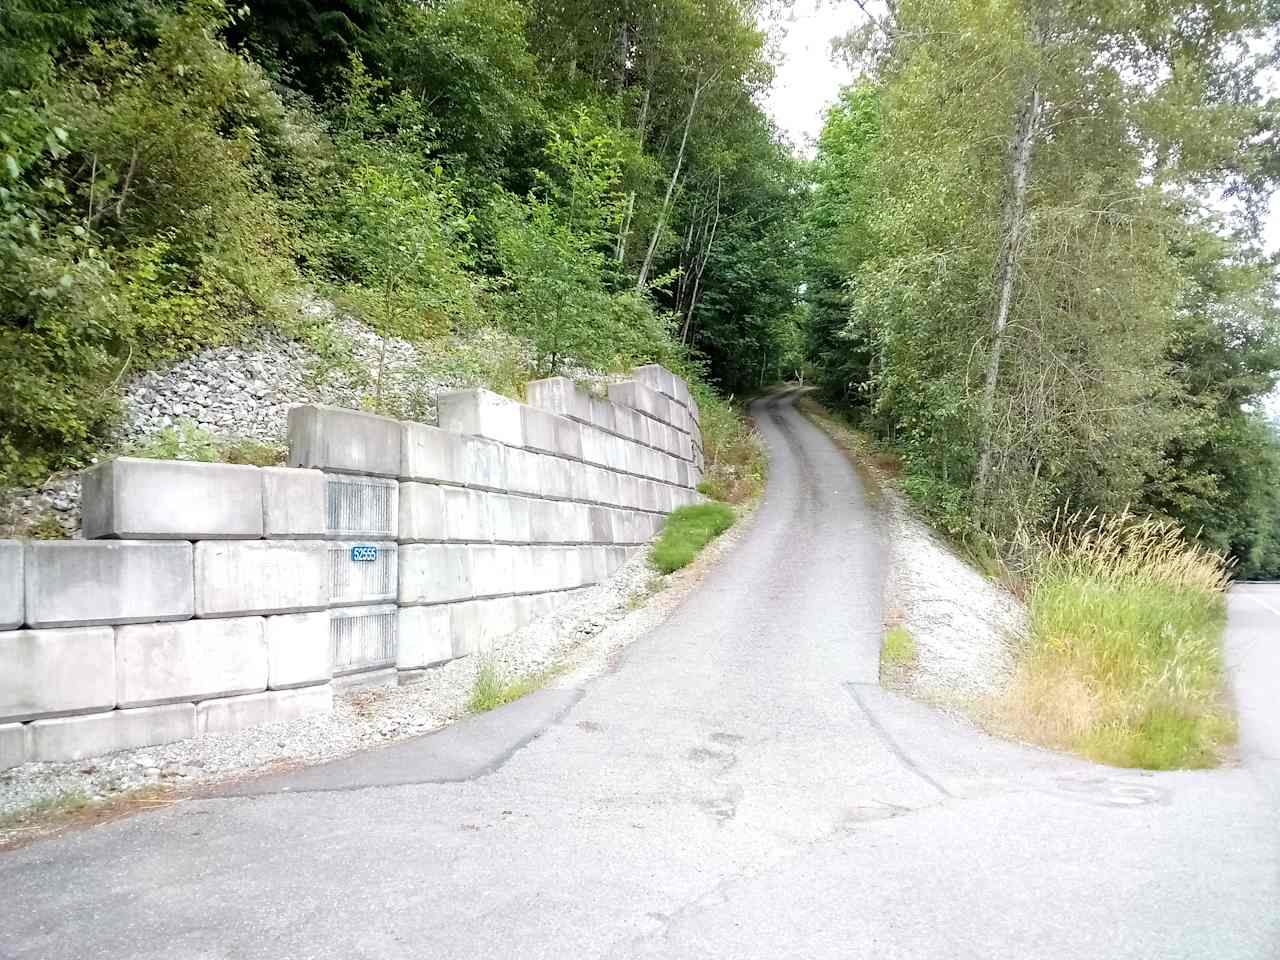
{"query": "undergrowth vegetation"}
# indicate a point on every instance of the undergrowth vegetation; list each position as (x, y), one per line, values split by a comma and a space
(687, 531)
(492, 687)
(1124, 660)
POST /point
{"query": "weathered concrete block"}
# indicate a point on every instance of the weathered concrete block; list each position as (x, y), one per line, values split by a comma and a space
(361, 581)
(364, 507)
(551, 433)
(543, 475)
(632, 393)
(363, 638)
(15, 744)
(247, 577)
(299, 652)
(12, 601)
(484, 463)
(656, 377)
(432, 455)
(559, 395)
(481, 413)
(293, 503)
(493, 570)
(159, 662)
(344, 441)
(598, 485)
(44, 673)
(603, 414)
(74, 738)
(85, 582)
(422, 512)
(434, 573)
(229, 714)
(599, 524)
(425, 637)
(466, 514)
(146, 726)
(477, 624)
(135, 499)
(509, 517)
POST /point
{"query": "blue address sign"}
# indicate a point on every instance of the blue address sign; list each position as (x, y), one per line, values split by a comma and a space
(364, 553)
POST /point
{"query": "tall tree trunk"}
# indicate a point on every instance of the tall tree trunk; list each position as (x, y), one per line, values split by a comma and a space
(620, 250)
(647, 265)
(1015, 215)
(702, 266)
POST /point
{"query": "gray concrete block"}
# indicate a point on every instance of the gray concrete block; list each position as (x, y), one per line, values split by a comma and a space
(293, 503)
(509, 517)
(364, 638)
(229, 714)
(638, 396)
(603, 414)
(432, 455)
(425, 637)
(434, 573)
(247, 577)
(422, 511)
(477, 624)
(559, 395)
(15, 744)
(64, 739)
(656, 377)
(299, 652)
(344, 441)
(85, 582)
(136, 499)
(12, 600)
(481, 413)
(361, 507)
(484, 463)
(45, 673)
(353, 582)
(493, 569)
(147, 726)
(160, 662)
(599, 524)
(549, 433)
(466, 514)
(559, 478)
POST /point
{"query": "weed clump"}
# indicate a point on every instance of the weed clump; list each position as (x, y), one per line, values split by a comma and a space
(687, 531)
(1124, 659)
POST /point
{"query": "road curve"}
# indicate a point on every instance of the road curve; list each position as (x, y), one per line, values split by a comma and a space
(738, 786)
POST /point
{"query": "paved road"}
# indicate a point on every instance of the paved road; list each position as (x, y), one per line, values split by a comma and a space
(738, 786)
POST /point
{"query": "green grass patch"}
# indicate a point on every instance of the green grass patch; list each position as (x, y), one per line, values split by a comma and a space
(187, 440)
(687, 531)
(899, 647)
(1124, 661)
(492, 687)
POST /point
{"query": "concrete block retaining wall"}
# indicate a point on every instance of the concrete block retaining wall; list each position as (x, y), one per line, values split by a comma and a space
(210, 597)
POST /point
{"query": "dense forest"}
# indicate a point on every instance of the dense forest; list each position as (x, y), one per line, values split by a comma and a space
(1025, 255)
(595, 177)
(1034, 267)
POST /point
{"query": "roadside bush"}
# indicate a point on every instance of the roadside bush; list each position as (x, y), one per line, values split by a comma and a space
(1124, 661)
(735, 457)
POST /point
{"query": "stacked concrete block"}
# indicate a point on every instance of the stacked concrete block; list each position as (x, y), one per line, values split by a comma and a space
(55, 672)
(481, 413)
(228, 714)
(74, 738)
(299, 652)
(12, 600)
(344, 441)
(132, 499)
(434, 573)
(294, 503)
(361, 507)
(84, 582)
(248, 577)
(362, 573)
(193, 660)
(426, 637)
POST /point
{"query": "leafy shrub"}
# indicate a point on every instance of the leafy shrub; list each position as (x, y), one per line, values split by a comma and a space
(188, 441)
(735, 458)
(687, 531)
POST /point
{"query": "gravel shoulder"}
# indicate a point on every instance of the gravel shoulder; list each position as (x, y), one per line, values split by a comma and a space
(579, 641)
(966, 628)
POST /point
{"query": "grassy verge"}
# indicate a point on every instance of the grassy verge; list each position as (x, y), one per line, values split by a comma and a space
(687, 531)
(735, 456)
(1124, 660)
(492, 687)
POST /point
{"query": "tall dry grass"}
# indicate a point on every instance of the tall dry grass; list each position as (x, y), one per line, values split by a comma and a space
(1124, 659)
